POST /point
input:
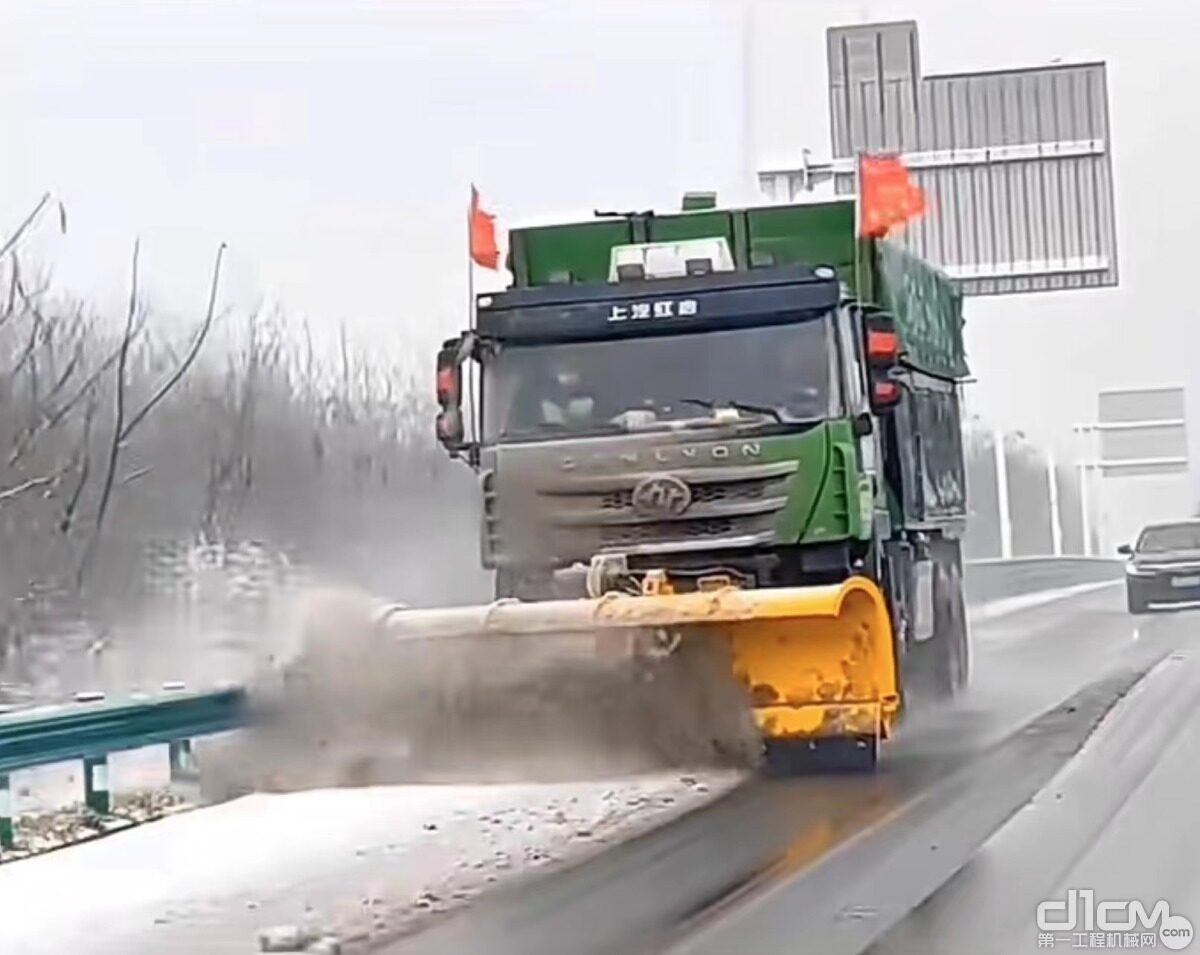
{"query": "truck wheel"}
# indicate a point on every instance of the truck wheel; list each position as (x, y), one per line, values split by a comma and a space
(941, 665)
(1134, 600)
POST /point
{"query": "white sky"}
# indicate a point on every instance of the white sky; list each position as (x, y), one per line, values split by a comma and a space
(332, 144)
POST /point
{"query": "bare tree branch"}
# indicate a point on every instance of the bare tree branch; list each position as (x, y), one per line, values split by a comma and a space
(114, 449)
(165, 345)
(83, 459)
(182, 368)
(13, 239)
(32, 484)
(52, 420)
(61, 382)
(13, 281)
(28, 351)
(35, 380)
(29, 298)
(138, 473)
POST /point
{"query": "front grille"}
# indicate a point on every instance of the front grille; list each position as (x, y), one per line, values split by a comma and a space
(567, 518)
(597, 513)
(622, 500)
(617, 500)
(621, 534)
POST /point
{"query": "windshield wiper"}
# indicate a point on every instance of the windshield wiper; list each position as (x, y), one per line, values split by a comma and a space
(736, 405)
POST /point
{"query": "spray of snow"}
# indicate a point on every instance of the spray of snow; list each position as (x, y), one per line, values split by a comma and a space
(350, 707)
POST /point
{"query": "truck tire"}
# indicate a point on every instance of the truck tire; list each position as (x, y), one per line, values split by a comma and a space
(940, 667)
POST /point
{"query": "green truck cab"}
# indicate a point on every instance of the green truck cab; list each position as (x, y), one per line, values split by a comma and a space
(752, 394)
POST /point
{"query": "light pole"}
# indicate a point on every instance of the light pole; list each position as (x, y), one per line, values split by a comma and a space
(1006, 536)
(1056, 532)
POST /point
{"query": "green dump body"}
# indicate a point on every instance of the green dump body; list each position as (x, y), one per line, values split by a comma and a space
(925, 303)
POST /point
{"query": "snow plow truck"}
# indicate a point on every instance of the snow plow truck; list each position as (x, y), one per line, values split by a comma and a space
(734, 426)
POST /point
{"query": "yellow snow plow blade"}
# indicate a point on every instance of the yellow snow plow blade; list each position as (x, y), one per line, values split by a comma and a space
(815, 661)
(819, 662)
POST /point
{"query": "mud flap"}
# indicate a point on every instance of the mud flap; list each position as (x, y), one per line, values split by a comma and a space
(923, 613)
(938, 668)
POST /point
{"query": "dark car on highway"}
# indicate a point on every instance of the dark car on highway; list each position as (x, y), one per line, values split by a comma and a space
(1164, 566)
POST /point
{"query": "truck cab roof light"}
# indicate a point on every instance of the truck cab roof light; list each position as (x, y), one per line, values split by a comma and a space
(670, 259)
(699, 201)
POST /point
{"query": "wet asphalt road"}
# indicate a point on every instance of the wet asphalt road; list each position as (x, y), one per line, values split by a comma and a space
(844, 864)
(1118, 820)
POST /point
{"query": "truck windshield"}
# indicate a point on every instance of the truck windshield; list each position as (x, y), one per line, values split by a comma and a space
(769, 373)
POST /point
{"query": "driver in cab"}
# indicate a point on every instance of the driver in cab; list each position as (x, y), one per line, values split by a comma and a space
(568, 402)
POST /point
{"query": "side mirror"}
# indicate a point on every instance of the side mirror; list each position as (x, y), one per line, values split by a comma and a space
(881, 343)
(451, 432)
(1125, 549)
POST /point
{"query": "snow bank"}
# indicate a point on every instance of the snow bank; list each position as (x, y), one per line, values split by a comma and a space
(365, 864)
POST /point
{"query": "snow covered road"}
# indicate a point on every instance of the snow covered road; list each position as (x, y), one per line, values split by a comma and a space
(362, 864)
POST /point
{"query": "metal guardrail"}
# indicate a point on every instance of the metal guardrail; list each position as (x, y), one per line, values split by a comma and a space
(995, 579)
(90, 731)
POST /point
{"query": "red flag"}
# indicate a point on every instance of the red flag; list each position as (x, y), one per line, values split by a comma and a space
(887, 196)
(484, 250)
